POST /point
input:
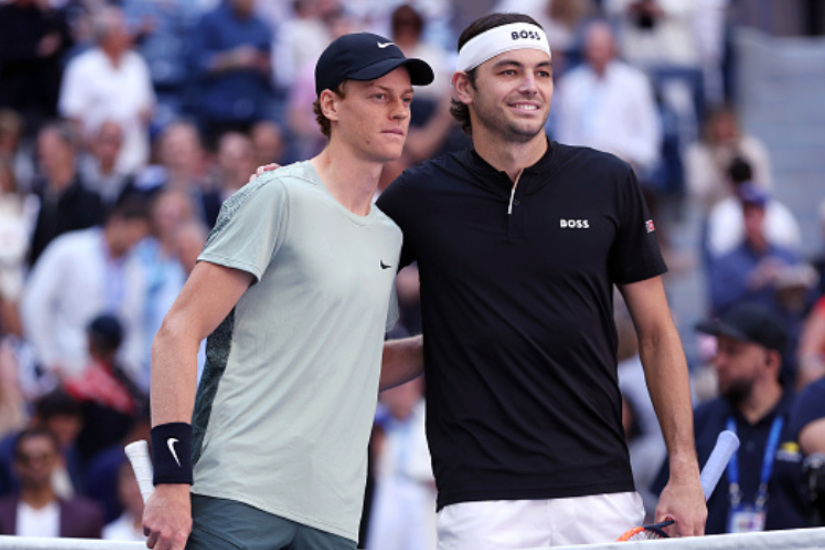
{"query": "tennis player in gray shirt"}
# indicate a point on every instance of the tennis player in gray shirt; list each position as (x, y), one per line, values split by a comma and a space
(294, 290)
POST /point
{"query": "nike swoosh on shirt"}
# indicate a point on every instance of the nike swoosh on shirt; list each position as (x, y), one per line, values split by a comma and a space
(384, 266)
(383, 45)
(171, 444)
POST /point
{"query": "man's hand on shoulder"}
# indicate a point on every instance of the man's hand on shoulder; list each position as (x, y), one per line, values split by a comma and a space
(262, 169)
(167, 518)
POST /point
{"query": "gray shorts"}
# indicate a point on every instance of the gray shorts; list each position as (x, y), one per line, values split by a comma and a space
(220, 524)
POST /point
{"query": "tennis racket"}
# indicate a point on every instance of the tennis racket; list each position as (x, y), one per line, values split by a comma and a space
(138, 454)
(726, 445)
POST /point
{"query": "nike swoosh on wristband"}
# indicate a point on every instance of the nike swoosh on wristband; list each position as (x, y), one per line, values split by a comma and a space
(383, 45)
(171, 444)
(384, 266)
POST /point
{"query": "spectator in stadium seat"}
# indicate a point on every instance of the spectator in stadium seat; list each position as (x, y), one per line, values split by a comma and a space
(108, 397)
(60, 414)
(231, 49)
(12, 148)
(129, 525)
(181, 167)
(268, 142)
(98, 164)
(708, 160)
(36, 510)
(811, 351)
(656, 33)
(34, 37)
(111, 82)
(17, 216)
(235, 161)
(80, 275)
(403, 507)
(165, 273)
(725, 228)
(163, 37)
(609, 105)
(751, 270)
(101, 475)
(754, 404)
(66, 204)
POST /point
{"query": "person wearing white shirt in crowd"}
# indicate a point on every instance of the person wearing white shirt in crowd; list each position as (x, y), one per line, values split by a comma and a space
(726, 222)
(656, 33)
(609, 105)
(403, 508)
(113, 82)
(707, 160)
(80, 275)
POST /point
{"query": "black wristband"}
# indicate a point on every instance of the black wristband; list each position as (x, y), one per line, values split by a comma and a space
(172, 453)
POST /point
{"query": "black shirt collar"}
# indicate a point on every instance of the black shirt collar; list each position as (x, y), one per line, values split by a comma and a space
(493, 178)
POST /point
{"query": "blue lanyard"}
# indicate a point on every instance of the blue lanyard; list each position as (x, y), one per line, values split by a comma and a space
(767, 466)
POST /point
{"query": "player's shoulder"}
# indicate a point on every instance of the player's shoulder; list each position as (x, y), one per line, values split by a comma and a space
(441, 165)
(282, 180)
(590, 162)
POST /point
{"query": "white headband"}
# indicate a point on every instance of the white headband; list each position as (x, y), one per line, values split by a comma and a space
(496, 41)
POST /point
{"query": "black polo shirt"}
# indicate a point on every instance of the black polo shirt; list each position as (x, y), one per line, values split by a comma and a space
(517, 314)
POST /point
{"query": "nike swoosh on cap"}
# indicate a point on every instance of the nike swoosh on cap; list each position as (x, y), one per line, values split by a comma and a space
(383, 45)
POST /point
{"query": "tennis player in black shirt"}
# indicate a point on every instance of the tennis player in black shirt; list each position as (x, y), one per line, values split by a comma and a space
(519, 243)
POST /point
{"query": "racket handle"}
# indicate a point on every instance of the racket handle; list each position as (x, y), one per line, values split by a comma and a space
(726, 445)
(138, 454)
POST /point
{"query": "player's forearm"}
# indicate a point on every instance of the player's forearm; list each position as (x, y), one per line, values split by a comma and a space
(174, 373)
(402, 361)
(669, 386)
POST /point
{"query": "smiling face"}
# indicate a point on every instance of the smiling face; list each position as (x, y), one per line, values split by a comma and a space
(511, 95)
(373, 117)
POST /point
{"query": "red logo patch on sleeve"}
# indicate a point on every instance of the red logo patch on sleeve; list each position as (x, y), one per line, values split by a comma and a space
(649, 226)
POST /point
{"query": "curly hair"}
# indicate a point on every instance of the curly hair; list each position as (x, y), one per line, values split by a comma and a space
(322, 120)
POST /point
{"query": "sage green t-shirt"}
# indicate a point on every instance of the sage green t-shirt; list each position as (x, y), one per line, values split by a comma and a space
(287, 398)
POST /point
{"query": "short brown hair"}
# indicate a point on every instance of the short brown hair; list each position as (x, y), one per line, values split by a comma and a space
(459, 110)
(322, 120)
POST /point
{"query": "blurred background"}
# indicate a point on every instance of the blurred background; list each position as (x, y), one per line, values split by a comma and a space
(125, 124)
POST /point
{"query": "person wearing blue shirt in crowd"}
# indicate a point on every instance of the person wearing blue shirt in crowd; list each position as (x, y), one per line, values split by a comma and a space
(750, 271)
(762, 487)
(231, 49)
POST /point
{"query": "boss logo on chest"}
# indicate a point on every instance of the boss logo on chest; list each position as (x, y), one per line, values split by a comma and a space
(522, 35)
(575, 224)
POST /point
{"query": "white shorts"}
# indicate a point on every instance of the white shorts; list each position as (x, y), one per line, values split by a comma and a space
(518, 524)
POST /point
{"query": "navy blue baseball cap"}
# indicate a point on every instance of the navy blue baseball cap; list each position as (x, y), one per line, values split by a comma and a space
(749, 322)
(365, 56)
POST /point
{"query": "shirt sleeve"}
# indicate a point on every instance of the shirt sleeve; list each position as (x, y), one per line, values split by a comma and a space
(635, 254)
(394, 202)
(250, 227)
(72, 102)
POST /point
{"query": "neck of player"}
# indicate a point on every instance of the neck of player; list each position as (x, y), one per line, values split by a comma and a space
(507, 155)
(351, 181)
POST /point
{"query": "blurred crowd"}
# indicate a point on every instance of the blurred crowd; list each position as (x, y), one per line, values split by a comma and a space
(125, 124)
